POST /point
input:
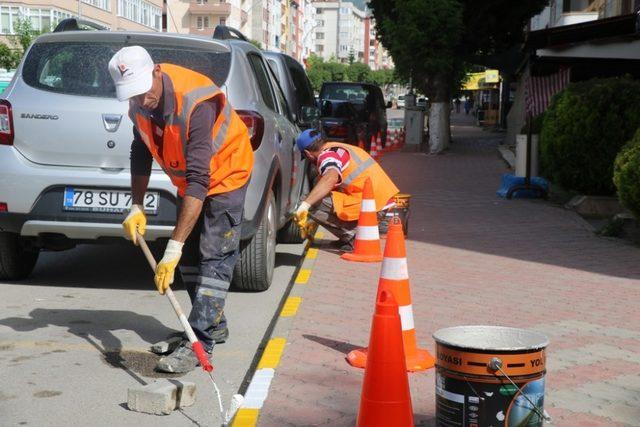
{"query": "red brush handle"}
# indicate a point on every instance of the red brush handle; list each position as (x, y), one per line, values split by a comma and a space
(202, 356)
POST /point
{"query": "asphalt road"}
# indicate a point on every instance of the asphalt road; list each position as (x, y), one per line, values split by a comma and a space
(75, 336)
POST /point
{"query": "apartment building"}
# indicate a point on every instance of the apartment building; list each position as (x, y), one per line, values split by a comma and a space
(202, 16)
(137, 15)
(340, 31)
(375, 55)
(569, 12)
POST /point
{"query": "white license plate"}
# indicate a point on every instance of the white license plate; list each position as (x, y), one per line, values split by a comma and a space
(100, 200)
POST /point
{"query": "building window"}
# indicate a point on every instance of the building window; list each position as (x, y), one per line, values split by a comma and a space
(319, 22)
(100, 4)
(202, 22)
(201, 2)
(319, 11)
(344, 11)
(141, 12)
(223, 21)
(41, 19)
(320, 36)
(576, 5)
(319, 48)
(344, 48)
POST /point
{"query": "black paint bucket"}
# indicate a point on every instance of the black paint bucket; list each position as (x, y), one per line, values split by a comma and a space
(401, 210)
(489, 376)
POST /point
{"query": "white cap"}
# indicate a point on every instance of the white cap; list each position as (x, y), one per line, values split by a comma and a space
(131, 69)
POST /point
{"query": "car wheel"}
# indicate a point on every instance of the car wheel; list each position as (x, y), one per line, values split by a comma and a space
(290, 233)
(254, 269)
(16, 261)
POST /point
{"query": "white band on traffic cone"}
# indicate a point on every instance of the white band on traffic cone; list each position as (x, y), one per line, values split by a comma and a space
(394, 269)
(367, 232)
(406, 317)
(368, 205)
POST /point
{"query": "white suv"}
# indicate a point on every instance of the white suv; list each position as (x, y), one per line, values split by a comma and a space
(65, 141)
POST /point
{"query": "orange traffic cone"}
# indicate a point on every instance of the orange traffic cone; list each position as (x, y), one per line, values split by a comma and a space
(394, 277)
(373, 150)
(386, 398)
(394, 139)
(379, 144)
(367, 244)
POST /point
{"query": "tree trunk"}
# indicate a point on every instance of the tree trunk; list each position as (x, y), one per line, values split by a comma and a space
(439, 116)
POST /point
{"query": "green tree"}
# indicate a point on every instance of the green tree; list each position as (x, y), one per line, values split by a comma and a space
(9, 59)
(256, 43)
(358, 72)
(24, 33)
(431, 40)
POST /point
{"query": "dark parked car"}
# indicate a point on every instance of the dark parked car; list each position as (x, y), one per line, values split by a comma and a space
(351, 109)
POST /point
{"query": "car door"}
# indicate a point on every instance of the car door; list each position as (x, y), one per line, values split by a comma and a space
(289, 131)
(275, 130)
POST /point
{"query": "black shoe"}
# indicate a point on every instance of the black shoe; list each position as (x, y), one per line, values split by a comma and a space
(220, 335)
(182, 360)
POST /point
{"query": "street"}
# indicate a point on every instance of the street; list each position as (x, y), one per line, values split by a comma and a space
(75, 336)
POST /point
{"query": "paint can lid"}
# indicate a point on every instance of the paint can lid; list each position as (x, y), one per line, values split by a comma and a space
(491, 338)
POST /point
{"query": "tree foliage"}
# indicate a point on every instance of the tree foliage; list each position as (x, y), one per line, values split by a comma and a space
(626, 175)
(583, 130)
(9, 59)
(320, 71)
(430, 40)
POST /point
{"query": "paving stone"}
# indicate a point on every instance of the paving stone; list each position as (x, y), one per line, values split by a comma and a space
(161, 397)
(474, 259)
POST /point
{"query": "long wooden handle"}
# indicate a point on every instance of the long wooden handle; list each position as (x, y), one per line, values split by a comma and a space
(195, 344)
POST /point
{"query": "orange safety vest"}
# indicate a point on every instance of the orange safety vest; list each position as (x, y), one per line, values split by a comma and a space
(348, 198)
(232, 161)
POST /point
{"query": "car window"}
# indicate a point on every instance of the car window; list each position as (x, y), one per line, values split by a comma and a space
(263, 80)
(301, 83)
(282, 102)
(82, 68)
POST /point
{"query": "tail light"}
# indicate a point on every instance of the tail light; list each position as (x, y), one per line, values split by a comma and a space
(255, 124)
(3, 207)
(6, 123)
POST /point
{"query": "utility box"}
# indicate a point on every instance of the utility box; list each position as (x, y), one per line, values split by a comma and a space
(410, 100)
(414, 128)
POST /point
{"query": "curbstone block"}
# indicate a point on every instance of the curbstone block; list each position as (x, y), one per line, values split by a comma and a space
(161, 397)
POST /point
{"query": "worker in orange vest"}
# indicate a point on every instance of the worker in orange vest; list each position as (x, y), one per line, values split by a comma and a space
(184, 122)
(335, 200)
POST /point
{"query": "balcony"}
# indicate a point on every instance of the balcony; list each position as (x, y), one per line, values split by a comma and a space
(212, 7)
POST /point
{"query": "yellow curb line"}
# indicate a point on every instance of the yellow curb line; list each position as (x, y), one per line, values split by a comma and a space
(290, 307)
(258, 390)
(312, 253)
(303, 276)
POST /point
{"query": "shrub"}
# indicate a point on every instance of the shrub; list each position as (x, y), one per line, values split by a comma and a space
(584, 129)
(626, 175)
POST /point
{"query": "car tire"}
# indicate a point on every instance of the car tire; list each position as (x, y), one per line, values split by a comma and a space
(254, 269)
(16, 261)
(290, 233)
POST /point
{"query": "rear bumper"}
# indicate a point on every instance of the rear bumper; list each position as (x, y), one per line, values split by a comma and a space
(88, 230)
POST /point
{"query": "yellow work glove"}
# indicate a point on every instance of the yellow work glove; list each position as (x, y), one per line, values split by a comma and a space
(301, 214)
(167, 265)
(309, 230)
(135, 221)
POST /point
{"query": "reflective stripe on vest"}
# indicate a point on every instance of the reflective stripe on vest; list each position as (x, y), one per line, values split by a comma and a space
(360, 168)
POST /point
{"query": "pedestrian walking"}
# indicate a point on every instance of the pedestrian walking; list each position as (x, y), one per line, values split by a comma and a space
(184, 122)
(334, 202)
(457, 102)
(467, 106)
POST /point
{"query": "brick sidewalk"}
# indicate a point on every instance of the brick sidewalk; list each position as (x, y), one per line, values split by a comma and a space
(475, 259)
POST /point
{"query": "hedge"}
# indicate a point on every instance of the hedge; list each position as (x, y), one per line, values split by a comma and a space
(584, 128)
(626, 175)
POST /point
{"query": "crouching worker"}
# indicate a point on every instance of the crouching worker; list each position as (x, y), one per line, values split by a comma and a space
(334, 202)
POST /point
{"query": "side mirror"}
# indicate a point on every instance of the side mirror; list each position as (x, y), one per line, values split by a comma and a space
(309, 115)
(389, 104)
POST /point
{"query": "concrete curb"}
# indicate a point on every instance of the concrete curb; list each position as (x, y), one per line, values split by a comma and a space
(257, 389)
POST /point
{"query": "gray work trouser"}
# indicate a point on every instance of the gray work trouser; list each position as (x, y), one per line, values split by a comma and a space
(207, 262)
(324, 214)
